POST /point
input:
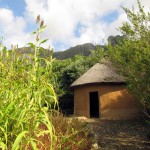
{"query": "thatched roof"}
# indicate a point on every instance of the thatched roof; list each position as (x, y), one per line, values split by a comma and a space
(99, 74)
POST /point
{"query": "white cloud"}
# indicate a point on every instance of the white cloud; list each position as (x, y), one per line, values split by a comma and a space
(13, 28)
(62, 18)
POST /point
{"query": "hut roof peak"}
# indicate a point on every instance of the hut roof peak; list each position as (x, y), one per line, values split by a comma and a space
(103, 72)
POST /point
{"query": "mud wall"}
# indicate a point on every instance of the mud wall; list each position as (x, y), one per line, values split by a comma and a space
(115, 102)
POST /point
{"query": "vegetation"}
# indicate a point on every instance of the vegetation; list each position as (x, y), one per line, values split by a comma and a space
(71, 52)
(84, 49)
(27, 100)
(67, 71)
(132, 55)
(32, 86)
(72, 134)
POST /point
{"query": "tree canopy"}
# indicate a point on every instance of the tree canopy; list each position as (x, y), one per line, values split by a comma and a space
(132, 55)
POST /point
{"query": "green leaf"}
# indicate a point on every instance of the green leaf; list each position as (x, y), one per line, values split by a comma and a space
(42, 49)
(2, 146)
(18, 139)
(34, 32)
(5, 134)
(34, 145)
(44, 41)
(42, 29)
(32, 45)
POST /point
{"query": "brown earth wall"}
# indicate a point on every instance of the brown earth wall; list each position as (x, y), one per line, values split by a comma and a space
(115, 102)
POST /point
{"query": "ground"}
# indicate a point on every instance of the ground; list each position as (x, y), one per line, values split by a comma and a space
(121, 134)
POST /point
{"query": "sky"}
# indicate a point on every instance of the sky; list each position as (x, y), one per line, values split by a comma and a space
(69, 22)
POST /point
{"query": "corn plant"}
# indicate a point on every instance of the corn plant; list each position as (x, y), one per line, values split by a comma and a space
(25, 96)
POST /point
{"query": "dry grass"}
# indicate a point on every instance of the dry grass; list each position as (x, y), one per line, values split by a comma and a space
(70, 134)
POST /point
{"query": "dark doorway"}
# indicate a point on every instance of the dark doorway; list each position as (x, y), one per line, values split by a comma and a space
(94, 104)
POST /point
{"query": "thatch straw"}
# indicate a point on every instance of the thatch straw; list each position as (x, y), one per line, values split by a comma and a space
(99, 73)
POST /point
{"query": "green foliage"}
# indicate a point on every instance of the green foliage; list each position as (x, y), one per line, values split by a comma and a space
(132, 55)
(67, 71)
(83, 49)
(96, 56)
(27, 101)
(25, 96)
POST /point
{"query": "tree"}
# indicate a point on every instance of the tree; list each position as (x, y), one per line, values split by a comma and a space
(132, 55)
(65, 72)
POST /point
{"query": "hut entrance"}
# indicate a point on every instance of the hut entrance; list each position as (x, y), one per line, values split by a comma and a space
(94, 104)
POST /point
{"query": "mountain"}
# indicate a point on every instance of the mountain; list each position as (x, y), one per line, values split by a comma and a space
(71, 52)
(84, 49)
(27, 51)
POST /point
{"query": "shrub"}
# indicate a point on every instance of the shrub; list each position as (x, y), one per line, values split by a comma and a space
(132, 56)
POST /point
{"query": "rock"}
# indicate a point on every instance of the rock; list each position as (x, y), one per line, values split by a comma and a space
(94, 146)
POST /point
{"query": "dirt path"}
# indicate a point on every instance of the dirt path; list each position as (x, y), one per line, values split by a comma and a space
(121, 135)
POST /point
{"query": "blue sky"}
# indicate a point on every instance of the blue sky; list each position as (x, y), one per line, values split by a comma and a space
(69, 22)
(17, 6)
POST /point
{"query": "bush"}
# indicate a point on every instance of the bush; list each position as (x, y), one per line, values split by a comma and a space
(132, 56)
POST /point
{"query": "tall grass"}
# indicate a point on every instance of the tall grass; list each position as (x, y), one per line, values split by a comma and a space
(25, 96)
(27, 100)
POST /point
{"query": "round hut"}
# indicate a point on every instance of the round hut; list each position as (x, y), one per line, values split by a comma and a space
(101, 92)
